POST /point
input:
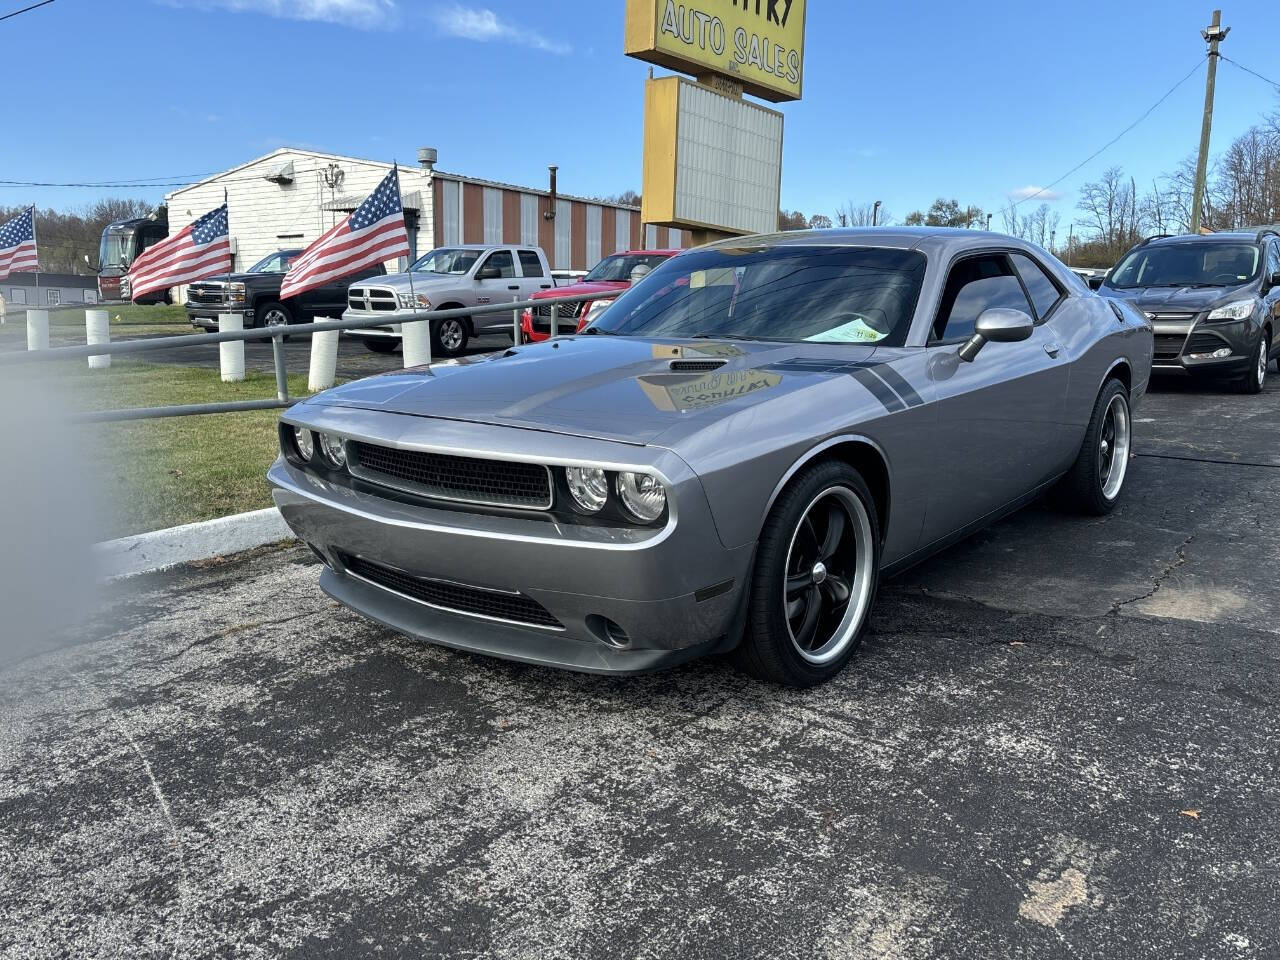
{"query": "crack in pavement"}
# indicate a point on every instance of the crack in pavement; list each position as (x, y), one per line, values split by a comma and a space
(1179, 559)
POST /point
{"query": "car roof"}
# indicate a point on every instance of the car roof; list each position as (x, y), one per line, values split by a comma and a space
(943, 240)
(1234, 236)
(645, 253)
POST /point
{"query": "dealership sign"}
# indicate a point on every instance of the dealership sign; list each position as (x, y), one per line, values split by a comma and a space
(757, 43)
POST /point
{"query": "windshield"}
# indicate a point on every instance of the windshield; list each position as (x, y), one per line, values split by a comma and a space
(276, 263)
(116, 248)
(448, 260)
(792, 293)
(1198, 264)
(618, 269)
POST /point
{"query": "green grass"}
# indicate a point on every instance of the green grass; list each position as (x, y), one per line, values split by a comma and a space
(161, 473)
(127, 320)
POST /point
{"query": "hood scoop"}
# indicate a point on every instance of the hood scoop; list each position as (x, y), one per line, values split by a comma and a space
(696, 366)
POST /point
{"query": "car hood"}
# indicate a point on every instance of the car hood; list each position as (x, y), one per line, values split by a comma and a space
(1178, 299)
(610, 388)
(420, 283)
(578, 289)
(239, 278)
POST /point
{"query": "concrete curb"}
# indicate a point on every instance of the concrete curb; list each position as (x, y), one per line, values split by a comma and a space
(161, 549)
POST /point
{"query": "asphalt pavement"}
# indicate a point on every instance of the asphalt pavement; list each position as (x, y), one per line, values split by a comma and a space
(1059, 740)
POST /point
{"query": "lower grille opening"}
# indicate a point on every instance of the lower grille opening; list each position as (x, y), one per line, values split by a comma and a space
(1169, 345)
(454, 597)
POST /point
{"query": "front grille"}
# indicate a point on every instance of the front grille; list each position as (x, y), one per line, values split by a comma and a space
(1169, 345)
(206, 293)
(499, 483)
(1205, 343)
(1159, 317)
(372, 298)
(568, 316)
(455, 597)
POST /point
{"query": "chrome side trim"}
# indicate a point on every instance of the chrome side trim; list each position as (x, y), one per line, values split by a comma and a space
(523, 624)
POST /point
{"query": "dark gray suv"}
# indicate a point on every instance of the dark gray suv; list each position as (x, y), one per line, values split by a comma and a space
(1214, 301)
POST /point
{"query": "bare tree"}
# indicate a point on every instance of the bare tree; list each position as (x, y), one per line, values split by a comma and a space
(861, 214)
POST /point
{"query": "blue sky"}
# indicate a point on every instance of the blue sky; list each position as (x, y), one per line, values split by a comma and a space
(903, 101)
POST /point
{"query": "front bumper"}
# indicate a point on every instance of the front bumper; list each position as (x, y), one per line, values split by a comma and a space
(205, 315)
(1191, 348)
(673, 590)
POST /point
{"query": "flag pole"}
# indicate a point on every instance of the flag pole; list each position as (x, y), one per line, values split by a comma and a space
(35, 243)
(413, 297)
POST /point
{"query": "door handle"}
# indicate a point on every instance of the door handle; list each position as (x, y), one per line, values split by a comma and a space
(514, 286)
(1052, 349)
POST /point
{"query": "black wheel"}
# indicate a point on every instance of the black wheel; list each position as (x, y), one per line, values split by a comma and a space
(1095, 481)
(816, 572)
(1253, 381)
(449, 337)
(381, 344)
(272, 316)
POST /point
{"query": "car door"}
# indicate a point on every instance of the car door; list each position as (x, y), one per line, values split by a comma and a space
(533, 277)
(505, 287)
(999, 426)
(1271, 298)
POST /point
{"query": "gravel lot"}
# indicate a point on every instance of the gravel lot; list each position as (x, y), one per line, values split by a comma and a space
(1059, 740)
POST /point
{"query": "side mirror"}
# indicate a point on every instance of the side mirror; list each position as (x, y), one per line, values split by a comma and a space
(488, 273)
(1096, 281)
(997, 325)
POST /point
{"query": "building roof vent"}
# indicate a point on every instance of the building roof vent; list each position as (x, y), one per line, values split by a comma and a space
(282, 174)
(427, 157)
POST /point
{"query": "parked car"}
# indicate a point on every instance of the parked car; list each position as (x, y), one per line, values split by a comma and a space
(730, 457)
(449, 278)
(256, 294)
(610, 276)
(1214, 300)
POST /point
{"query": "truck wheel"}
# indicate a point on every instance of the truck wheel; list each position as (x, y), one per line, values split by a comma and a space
(272, 315)
(381, 344)
(448, 337)
(816, 573)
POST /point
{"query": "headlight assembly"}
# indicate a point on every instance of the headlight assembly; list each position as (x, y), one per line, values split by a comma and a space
(1238, 310)
(642, 495)
(305, 443)
(333, 448)
(414, 301)
(588, 486)
(596, 308)
(235, 293)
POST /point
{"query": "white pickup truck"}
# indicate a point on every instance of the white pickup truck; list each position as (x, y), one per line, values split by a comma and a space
(448, 278)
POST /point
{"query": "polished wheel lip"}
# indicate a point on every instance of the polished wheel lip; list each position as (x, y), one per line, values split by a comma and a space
(1262, 362)
(451, 334)
(860, 589)
(1113, 446)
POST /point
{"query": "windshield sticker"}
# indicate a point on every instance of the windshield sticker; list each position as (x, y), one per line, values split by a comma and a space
(855, 331)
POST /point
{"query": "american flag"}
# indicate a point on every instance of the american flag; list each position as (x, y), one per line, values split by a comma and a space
(201, 250)
(373, 233)
(18, 244)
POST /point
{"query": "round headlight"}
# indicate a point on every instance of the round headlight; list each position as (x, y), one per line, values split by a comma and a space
(588, 486)
(333, 449)
(643, 495)
(303, 440)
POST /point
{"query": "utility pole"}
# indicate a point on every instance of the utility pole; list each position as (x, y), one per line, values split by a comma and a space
(875, 213)
(1213, 35)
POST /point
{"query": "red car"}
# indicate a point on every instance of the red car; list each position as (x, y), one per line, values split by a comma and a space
(610, 277)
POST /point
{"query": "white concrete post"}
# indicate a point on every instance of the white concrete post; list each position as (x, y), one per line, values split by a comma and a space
(415, 343)
(37, 329)
(231, 355)
(97, 329)
(324, 359)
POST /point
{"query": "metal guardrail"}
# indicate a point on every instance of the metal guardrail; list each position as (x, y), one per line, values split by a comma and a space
(276, 336)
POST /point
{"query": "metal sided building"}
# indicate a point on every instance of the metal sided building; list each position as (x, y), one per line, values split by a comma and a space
(290, 196)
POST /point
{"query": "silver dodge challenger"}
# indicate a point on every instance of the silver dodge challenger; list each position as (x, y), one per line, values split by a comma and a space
(728, 459)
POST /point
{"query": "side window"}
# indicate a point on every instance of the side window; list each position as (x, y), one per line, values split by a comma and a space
(1044, 292)
(530, 263)
(1273, 258)
(975, 285)
(503, 260)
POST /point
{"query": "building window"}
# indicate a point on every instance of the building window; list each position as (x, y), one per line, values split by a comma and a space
(18, 296)
(91, 296)
(55, 297)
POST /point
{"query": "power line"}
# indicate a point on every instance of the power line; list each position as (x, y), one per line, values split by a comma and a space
(1109, 143)
(42, 3)
(1247, 70)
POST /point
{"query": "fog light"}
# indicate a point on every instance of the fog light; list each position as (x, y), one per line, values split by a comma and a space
(1216, 355)
(333, 449)
(305, 443)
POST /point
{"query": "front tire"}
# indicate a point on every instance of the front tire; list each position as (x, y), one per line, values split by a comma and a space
(816, 573)
(449, 337)
(273, 315)
(1253, 381)
(1095, 481)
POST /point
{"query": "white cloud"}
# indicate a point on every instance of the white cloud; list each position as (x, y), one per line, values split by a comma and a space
(366, 14)
(1031, 190)
(484, 26)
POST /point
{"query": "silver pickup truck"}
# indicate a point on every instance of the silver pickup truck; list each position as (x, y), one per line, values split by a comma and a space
(449, 278)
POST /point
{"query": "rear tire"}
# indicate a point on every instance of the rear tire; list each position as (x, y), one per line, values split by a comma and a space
(1256, 378)
(1093, 485)
(381, 344)
(815, 578)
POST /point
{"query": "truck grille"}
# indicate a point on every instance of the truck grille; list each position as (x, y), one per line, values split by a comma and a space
(1169, 345)
(372, 299)
(454, 597)
(441, 476)
(206, 293)
(569, 313)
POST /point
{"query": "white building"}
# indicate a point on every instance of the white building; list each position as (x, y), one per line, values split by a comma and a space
(289, 197)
